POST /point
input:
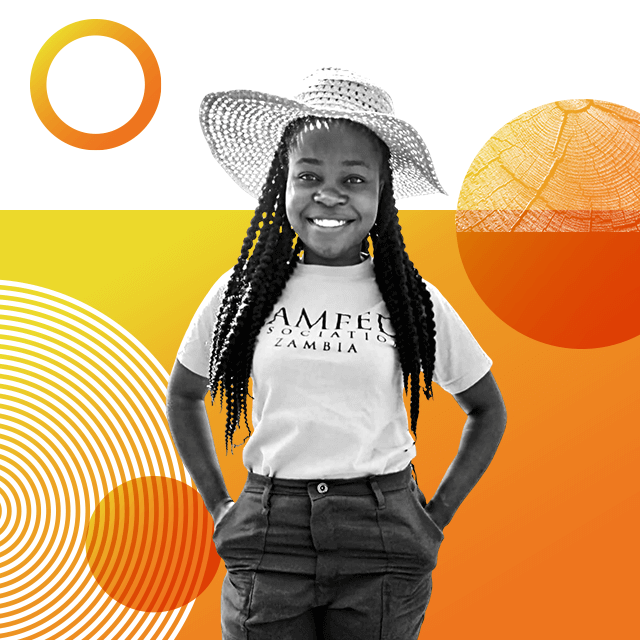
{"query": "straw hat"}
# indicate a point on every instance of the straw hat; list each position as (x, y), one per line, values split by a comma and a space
(244, 128)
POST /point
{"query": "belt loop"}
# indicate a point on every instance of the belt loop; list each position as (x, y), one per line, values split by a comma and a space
(377, 493)
(266, 494)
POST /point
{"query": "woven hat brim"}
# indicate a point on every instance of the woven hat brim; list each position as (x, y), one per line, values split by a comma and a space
(244, 128)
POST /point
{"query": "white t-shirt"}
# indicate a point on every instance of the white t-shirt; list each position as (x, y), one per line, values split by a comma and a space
(327, 383)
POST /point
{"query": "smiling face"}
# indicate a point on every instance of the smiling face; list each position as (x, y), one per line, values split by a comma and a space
(333, 191)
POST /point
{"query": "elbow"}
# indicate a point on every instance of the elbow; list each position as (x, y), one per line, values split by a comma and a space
(503, 419)
(501, 411)
(173, 395)
(498, 412)
(499, 422)
(170, 403)
(492, 417)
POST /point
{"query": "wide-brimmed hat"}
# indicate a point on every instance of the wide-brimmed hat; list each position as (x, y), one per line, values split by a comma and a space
(244, 128)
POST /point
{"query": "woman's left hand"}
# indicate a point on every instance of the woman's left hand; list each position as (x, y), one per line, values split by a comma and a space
(437, 518)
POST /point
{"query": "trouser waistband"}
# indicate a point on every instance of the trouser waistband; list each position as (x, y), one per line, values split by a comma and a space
(375, 485)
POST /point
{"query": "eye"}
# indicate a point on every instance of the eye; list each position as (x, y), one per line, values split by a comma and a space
(355, 180)
(308, 177)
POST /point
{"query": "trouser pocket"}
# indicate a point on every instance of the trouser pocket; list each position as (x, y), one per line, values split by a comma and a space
(412, 538)
(422, 502)
(240, 538)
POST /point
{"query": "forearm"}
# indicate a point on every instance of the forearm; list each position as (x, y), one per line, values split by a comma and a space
(191, 434)
(480, 439)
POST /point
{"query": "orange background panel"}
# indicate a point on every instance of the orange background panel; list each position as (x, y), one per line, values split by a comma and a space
(546, 543)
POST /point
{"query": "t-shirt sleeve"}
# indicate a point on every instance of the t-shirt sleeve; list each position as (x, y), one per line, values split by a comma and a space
(460, 361)
(195, 348)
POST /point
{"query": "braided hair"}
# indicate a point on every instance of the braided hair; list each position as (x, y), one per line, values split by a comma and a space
(265, 265)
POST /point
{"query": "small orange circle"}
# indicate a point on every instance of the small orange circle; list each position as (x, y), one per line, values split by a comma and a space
(149, 544)
(129, 39)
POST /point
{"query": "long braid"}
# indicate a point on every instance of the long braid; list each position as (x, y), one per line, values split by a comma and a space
(256, 283)
(266, 264)
(408, 301)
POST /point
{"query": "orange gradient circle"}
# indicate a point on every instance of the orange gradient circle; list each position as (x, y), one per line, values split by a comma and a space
(40, 97)
(149, 544)
(548, 220)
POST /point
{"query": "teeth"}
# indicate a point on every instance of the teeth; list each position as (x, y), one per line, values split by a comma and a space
(324, 222)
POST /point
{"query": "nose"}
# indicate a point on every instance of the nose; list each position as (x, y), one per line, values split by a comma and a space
(329, 197)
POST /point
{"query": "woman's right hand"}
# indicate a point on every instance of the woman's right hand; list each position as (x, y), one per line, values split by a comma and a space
(220, 511)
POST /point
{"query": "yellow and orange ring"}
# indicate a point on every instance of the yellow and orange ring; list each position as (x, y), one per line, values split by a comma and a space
(40, 97)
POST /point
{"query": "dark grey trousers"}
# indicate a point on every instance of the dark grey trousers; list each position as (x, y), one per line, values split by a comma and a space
(330, 560)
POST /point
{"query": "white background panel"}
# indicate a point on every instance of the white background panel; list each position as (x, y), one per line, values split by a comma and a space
(457, 71)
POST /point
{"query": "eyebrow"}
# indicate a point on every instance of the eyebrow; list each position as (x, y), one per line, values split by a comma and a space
(346, 163)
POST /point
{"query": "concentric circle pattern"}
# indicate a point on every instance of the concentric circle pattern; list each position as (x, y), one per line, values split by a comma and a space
(81, 416)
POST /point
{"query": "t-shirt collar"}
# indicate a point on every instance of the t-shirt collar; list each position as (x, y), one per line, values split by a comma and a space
(358, 271)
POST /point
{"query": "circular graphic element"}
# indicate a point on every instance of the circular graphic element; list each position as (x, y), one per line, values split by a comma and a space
(82, 412)
(538, 222)
(110, 139)
(149, 544)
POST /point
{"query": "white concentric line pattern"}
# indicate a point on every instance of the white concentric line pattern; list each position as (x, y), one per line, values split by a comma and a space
(81, 412)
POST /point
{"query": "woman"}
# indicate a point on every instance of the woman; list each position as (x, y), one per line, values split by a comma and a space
(331, 537)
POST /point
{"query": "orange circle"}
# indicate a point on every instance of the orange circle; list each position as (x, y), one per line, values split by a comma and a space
(129, 39)
(149, 544)
(539, 220)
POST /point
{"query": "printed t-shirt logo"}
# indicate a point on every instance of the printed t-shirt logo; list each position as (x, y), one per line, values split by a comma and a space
(328, 330)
